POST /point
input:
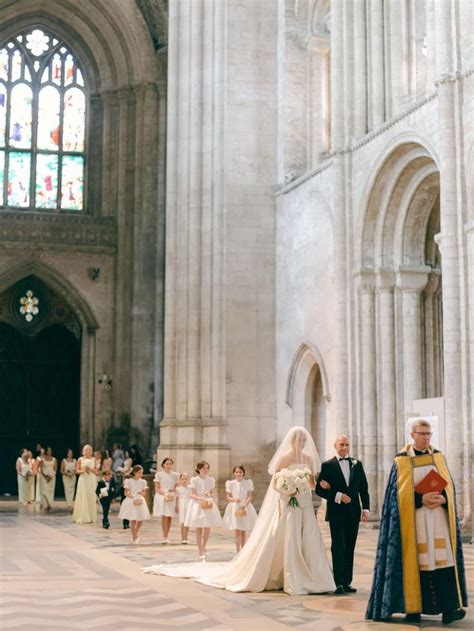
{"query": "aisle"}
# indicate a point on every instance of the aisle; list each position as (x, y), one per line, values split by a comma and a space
(58, 575)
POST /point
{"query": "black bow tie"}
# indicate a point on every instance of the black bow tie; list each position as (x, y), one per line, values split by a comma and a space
(340, 459)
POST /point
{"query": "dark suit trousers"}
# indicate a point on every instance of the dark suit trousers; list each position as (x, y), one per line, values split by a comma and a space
(105, 510)
(343, 538)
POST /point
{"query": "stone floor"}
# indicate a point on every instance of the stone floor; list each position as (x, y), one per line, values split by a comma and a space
(55, 574)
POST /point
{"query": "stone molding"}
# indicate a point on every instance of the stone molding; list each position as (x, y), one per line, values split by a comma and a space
(385, 281)
(58, 229)
(365, 281)
(412, 279)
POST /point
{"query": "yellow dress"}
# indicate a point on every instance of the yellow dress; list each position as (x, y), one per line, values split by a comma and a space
(85, 506)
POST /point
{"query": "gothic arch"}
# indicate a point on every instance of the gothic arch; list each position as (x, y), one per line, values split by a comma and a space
(57, 282)
(307, 355)
(112, 41)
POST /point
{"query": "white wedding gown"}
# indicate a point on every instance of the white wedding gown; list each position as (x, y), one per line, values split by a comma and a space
(284, 551)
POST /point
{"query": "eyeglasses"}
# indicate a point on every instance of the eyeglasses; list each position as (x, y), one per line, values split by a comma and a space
(424, 433)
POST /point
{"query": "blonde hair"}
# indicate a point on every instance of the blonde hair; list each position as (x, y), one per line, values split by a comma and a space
(86, 447)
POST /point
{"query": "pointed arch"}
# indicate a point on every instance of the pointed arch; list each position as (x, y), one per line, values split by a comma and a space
(57, 282)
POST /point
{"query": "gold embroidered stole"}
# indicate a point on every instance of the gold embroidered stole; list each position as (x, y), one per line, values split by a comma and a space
(406, 507)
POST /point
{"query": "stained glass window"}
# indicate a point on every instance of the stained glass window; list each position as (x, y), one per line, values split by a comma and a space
(42, 124)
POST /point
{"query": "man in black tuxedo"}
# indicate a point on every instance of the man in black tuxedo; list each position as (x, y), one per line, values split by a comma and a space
(105, 491)
(342, 482)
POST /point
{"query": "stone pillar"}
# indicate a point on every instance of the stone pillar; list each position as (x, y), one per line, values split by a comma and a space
(411, 283)
(396, 86)
(320, 108)
(360, 68)
(431, 334)
(341, 380)
(387, 395)
(123, 273)
(377, 61)
(451, 255)
(369, 439)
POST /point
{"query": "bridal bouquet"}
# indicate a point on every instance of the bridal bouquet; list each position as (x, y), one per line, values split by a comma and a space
(291, 482)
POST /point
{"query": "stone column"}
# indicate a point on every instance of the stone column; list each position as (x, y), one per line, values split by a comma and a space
(431, 334)
(123, 273)
(341, 380)
(411, 283)
(387, 395)
(377, 61)
(369, 439)
(451, 255)
(396, 83)
(360, 68)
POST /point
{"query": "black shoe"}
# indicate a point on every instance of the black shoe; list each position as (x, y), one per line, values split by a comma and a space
(349, 589)
(454, 614)
(339, 590)
(106, 526)
(413, 617)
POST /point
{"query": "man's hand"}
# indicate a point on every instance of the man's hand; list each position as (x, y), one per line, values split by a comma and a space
(433, 500)
(324, 485)
(345, 499)
(365, 515)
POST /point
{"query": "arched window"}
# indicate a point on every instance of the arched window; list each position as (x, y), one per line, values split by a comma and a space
(42, 124)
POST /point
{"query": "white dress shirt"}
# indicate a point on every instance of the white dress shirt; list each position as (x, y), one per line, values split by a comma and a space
(346, 472)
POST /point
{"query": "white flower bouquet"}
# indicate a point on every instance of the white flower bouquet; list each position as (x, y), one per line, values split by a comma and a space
(291, 482)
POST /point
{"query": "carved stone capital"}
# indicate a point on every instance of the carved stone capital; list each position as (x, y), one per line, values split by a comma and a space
(365, 281)
(385, 281)
(433, 282)
(412, 279)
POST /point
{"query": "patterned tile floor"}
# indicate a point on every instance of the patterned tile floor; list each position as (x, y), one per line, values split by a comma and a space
(58, 575)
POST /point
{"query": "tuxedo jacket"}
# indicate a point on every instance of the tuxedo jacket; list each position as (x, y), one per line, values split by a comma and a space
(112, 490)
(357, 490)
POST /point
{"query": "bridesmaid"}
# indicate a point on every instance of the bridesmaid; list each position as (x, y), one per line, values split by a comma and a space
(48, 469)
(31, 498)
(134, 507)
(85, 506)
(98, 462)
(36, 471)
(183, 497)
(106, 461)
(164, 500)
(240, 514)
(203, 513)
(25, 477)
(68, 471)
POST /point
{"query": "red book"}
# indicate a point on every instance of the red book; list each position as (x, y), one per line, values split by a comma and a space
(433, 482)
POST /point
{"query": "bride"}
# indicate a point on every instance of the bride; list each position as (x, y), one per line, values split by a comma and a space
(285, 549)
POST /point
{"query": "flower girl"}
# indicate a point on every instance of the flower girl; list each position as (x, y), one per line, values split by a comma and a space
(183, 496)
(164, 500)
(134, 506)
(203, 513)
(240, 514)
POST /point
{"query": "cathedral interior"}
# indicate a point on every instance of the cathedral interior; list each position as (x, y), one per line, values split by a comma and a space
(222, 218)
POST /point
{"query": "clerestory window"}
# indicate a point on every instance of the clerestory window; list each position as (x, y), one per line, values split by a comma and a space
(42, 124)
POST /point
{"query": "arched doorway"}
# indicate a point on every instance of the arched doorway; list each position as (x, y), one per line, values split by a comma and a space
(40, 365)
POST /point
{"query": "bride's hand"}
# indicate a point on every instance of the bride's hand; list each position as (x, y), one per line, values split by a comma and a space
(324, 485)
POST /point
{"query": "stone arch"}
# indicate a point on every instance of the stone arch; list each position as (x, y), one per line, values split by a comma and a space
(305, 357)
(57, 282)
(308, 392)
(112, 41)
(390, 171)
